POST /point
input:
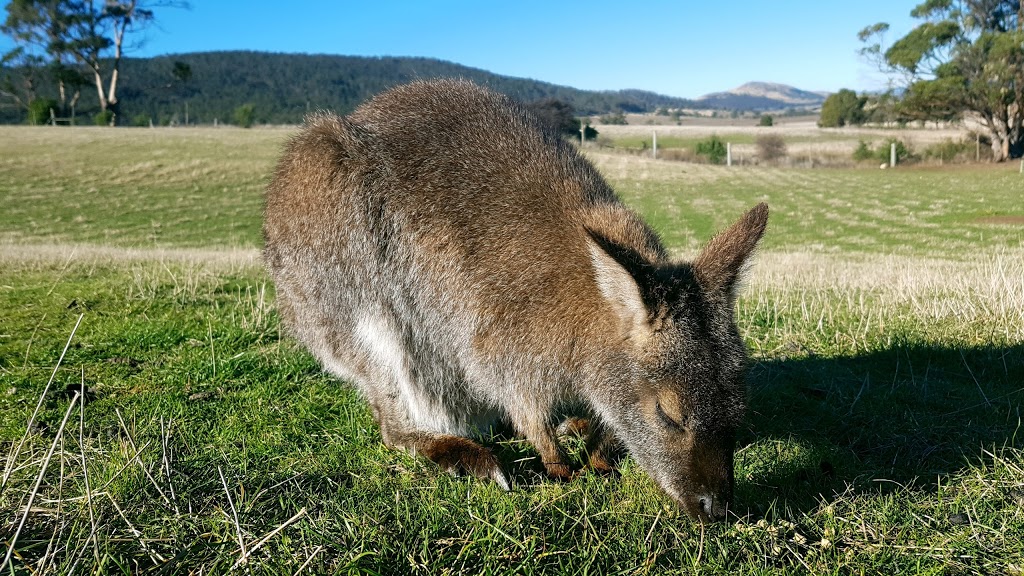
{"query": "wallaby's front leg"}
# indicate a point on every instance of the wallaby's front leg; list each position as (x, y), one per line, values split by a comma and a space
(602, 447)
(542, 435)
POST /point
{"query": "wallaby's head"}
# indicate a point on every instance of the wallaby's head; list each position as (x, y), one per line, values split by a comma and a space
(680, 402)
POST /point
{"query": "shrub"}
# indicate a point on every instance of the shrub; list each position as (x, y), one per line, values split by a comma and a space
(770, 147)
(39, 110)
(950, 150)
(766, 120)
(140, 120)
(883, 152)
(863, 152)
(103, 118)
(614, 118)
(589, 132)
(713, 149)
(245, 115)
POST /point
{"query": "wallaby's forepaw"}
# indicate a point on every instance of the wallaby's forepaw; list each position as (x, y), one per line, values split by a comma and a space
(560, 471)
(457, 455)
(598, 463)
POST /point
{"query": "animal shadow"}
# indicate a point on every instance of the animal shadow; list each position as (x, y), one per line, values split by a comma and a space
(908, 415)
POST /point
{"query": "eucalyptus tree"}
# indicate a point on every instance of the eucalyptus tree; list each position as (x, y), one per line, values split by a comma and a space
(965, 56)
(92, 35)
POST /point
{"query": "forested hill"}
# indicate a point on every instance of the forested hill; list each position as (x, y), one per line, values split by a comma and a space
(283, 87)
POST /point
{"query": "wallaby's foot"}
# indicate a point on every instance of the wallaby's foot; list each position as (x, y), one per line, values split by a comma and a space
(457, 455)
(603, 450)
(601, 445)
(598, 463)
(574, 427)
(544, 440)
(560, 471)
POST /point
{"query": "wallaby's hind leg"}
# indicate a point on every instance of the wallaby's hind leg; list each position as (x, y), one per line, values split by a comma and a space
(456, 454)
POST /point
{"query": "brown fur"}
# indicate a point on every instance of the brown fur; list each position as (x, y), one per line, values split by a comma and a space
(461, 265)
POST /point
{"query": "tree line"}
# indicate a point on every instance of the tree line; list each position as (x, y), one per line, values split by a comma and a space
(965, 60)
(282, 88)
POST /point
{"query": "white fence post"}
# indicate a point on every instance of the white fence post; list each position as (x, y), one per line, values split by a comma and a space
(892, 154)
(654, 146)
(728, 153)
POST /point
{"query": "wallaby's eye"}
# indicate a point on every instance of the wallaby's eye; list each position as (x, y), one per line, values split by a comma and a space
(668, 421)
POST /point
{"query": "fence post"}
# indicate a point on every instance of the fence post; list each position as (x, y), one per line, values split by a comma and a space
(728, 153)
(892, 154)
(654, 146)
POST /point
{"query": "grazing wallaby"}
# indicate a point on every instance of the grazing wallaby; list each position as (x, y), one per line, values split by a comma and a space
(461, 266)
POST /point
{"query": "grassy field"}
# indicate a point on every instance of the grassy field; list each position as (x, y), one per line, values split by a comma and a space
(884, 313)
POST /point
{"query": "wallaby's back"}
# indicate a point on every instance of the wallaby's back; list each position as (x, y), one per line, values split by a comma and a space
(453, 196)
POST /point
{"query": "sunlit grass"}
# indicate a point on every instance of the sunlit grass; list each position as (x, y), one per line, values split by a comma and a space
(885, 323)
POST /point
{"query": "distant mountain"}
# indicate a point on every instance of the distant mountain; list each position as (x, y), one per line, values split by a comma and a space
(763, 96)
(283, 87)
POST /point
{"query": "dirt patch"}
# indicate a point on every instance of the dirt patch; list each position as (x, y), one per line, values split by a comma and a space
(1019, 220)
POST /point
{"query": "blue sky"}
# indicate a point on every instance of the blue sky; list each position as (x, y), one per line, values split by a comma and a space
(681, 48)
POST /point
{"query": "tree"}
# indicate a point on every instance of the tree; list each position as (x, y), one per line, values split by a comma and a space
(91, 34)
(20, 77)
(555, 115)
(842, 108)
(766, 120)
(181, 73)
(966, 57)
(245, 115)
(39, 28)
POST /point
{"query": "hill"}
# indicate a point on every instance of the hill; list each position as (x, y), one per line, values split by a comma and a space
(762, 96)
(283, 87)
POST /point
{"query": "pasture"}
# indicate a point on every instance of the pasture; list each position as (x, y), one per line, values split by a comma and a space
(153, 419)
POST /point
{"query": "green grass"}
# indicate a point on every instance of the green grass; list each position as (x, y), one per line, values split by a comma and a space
(884, 432)
(154, 188)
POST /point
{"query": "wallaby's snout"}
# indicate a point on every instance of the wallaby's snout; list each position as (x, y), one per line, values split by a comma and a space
(711, 475)
(463, 266)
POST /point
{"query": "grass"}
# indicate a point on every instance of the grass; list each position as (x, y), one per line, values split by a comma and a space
(884, 435)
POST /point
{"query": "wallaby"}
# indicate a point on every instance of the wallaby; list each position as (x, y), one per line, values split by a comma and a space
(462, 265)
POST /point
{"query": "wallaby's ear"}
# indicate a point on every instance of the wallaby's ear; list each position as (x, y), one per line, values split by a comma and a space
(720, 264)
(615, 271)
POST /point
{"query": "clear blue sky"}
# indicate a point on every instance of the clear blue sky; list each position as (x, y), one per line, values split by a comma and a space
(682, 48)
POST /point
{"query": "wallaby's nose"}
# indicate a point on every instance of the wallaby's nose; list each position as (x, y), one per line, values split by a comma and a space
(713, 508)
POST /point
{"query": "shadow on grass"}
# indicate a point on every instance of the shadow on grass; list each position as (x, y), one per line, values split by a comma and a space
(905, 416)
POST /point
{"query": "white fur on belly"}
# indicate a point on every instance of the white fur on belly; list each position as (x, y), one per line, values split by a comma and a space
(391, 356)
